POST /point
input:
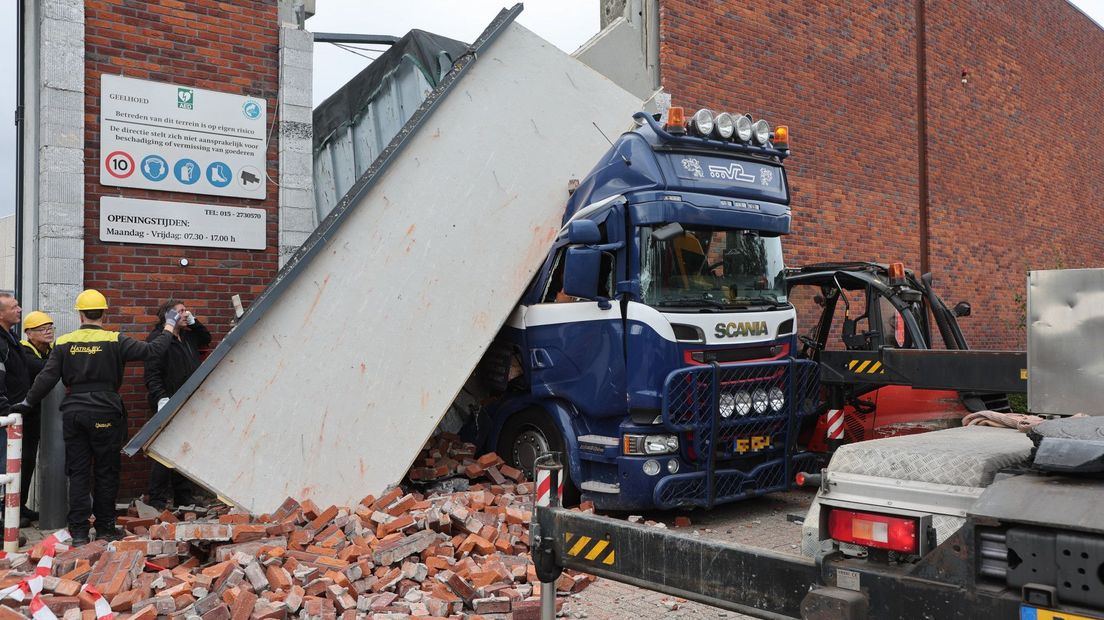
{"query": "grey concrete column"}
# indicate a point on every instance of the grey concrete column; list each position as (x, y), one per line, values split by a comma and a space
(54, 202)
(298, 218)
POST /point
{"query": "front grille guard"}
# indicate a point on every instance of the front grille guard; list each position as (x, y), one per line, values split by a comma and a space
(744, 445)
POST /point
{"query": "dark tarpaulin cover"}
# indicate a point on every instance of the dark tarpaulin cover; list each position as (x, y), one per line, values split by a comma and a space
(432, 54)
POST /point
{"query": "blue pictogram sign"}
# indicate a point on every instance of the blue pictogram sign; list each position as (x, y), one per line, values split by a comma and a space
(219, 174)
(186, 171)
(154, 167)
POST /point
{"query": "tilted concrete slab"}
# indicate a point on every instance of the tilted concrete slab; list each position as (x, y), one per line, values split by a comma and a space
(340, 372)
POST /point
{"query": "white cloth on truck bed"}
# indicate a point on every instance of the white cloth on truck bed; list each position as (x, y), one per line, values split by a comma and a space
(958, 456)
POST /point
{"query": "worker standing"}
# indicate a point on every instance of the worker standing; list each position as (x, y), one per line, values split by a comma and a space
(38, 341)
(90, 362)
(14, 381)
(164, 376)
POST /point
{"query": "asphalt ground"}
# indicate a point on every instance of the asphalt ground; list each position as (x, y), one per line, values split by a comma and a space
(761, 522)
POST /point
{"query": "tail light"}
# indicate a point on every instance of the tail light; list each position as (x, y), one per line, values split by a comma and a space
(875, 530)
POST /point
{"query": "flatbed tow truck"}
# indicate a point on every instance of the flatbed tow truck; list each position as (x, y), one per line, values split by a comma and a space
(967, 522)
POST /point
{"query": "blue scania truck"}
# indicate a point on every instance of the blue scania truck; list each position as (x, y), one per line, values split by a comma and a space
(655, 348)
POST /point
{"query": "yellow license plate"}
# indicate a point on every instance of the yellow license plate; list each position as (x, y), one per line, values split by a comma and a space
(754, 443)
(1034, 613)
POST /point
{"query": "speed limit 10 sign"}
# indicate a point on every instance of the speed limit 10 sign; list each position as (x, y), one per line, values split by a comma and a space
(119, 164)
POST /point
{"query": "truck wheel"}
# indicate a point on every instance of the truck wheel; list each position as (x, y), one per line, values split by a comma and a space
(527, 435)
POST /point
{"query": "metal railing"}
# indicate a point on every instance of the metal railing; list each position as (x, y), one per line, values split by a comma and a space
(739, 422)
(11, 480)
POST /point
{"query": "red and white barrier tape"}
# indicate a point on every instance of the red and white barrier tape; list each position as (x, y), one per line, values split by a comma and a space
(31, 586)
(39, 610)
(103, 608)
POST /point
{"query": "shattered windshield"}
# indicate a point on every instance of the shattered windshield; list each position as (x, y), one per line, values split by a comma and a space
(712, 267)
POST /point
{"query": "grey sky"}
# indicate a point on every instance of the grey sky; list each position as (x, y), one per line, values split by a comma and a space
(566, 23)
(8, 17)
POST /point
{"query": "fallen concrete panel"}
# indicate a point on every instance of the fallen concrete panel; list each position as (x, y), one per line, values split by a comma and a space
(340, 372)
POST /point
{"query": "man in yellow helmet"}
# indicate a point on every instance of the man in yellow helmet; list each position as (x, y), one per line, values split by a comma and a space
(38, 341)
(90, 361)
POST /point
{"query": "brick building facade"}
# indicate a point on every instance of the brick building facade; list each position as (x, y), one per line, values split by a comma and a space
(1012, 182)
(225, 46)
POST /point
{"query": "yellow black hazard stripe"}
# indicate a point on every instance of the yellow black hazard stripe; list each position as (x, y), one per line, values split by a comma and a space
(866, 367)
(587, 548)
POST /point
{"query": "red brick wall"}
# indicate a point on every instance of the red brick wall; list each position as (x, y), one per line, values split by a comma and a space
(842, 75)
(1016, 184)
(225, 46)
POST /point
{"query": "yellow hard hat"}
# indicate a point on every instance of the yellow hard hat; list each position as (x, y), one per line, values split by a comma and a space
(36, 319)
(91, 299)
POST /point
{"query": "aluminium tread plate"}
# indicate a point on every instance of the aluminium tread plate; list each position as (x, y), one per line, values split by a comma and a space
(334, 388)
(967, 456)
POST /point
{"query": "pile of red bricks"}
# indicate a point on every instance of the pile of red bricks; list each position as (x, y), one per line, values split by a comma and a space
(461, 554)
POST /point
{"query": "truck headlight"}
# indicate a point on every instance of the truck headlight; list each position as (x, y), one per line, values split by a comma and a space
(760, 131)
(759, 400)
(702, 122)
(777, 398)
(640, 445)
(660, 444)
(727, 403)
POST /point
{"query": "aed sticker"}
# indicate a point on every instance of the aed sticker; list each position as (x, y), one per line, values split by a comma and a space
(847, 579)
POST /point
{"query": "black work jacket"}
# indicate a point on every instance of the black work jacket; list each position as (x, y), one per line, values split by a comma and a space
(35, 362)
(16, 379)
(167, 373)
(34, 359)
(91, 359)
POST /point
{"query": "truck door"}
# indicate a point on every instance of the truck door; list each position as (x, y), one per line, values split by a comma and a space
(575, 347)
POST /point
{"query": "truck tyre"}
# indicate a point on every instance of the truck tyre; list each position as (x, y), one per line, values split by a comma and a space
(529, 434)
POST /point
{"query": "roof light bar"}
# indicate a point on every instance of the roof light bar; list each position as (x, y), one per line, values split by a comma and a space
(760, 132)
(702, 122)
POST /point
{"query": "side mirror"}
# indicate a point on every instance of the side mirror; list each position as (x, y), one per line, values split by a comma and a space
(581, 268)
(962, 308)
(668, 232)
(583, 231)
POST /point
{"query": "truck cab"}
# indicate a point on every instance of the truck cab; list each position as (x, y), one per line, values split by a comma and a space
(655, 347)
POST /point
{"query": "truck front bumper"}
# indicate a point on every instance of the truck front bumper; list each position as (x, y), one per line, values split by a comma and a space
(738, 441)
(730, 485)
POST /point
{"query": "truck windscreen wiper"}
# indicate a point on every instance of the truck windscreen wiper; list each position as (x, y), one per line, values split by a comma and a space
(688, 302)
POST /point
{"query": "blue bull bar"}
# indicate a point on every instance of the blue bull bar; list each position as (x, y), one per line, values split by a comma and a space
(738, 425)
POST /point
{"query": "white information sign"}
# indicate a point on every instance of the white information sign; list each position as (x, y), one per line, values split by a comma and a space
(155, 135)
(127, 220)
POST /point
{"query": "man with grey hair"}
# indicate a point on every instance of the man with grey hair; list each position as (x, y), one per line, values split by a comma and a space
(16, 380)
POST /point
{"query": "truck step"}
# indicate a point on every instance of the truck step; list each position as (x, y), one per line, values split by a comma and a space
(594, 486)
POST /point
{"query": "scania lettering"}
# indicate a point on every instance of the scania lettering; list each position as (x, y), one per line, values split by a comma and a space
(655, 346)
